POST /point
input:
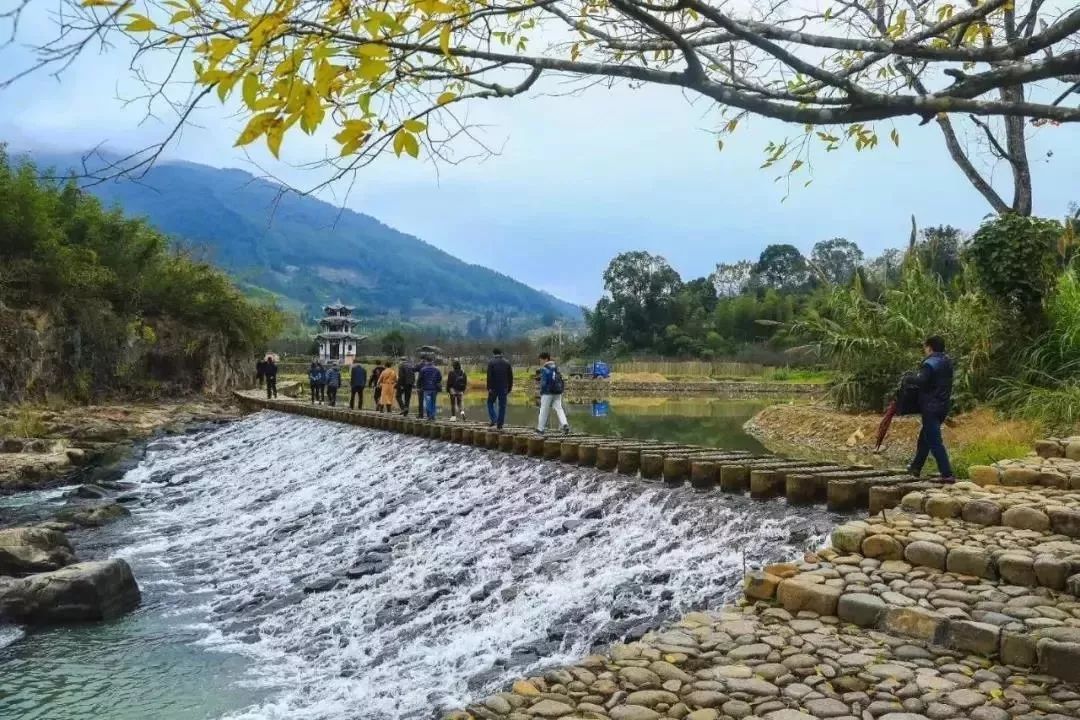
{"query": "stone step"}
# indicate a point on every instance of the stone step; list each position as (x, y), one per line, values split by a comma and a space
(1059, 472)
(1059, 447)
(1025, 557)
(1015, 625)
(1024, 508)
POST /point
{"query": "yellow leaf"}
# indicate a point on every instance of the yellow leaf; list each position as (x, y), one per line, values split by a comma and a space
(250, 89)
(273, 137)
(221, 47)
(399, 142)
(719, 145)
(312, 114)
(99, 3)
(444, 39)
(373, 50)
(225, 85)
(372, 69)
(732, 124)
(256, 126)
(413, 126)
(412, 146)
(895, 136)
(140, 23)
(446, 97)
(796, 165)
(179, 16)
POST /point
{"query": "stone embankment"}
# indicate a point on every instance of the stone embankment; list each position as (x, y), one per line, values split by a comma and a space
(840, 487)
(913, 615)
(40, 447)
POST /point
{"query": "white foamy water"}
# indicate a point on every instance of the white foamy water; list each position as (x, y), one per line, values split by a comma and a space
(476, 566)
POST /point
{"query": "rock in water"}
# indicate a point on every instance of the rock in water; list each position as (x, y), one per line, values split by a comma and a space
(28, 550)
(99, 590)
(94, 514)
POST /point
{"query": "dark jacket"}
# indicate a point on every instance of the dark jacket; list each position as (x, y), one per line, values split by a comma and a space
(375, 373)
(333, 377)
(430, 378)
(406, 375)
(269, 370)
(316, 374)
(260, 368)
(935, 381)
(358, 376)
(500, 375)
(547, 378)
(457, 381)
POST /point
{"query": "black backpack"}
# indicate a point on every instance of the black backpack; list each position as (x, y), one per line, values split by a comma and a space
(558, 385)
(406, 375)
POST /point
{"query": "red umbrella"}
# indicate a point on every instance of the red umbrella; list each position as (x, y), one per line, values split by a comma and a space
(883, 428)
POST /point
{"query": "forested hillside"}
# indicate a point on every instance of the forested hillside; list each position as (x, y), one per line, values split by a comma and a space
(311, 252)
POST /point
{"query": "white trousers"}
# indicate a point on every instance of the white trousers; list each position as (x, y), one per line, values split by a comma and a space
(547, 402)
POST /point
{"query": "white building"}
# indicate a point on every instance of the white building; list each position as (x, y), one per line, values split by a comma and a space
(336, 338)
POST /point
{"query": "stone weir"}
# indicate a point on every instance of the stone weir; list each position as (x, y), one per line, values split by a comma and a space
(959, 604)
(842, 488)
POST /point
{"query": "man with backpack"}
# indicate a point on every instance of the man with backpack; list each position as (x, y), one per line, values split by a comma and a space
(935, 381)
(406, 375)
(500, 383)
(430, 385)
(552, 386)
(357, 381)
(457, 382)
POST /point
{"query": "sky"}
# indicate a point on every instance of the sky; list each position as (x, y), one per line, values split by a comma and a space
(577, 179)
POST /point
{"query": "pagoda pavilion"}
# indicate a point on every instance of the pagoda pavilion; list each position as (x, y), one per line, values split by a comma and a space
(336, 338)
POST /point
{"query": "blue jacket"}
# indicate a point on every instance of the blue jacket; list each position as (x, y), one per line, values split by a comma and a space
(935, 383)
(333, 378)
(430, 378)
(316, 375)
(358, 376)
(547, 377)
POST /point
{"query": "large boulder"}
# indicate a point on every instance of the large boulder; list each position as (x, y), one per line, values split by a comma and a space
(87, 591)
(28, 550)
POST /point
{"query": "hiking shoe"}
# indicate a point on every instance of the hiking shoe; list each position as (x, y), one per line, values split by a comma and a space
(565, 429)
(462, 416)
(946, 480)
(491, 425)
(539, 431)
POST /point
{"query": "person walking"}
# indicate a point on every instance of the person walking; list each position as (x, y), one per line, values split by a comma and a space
(260, 371)
(357, 382)
(935, 381)
(406, 378)
(373, 383)
(333, 382)
(270, 373)
(430, 386)
(500, 383)
(551, 392)
(316, 378)
(457, 382)
(387, 384)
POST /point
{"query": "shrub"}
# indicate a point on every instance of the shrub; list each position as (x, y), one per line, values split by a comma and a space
(1016, 259)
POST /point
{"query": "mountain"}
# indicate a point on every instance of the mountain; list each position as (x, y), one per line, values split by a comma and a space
(311, 252)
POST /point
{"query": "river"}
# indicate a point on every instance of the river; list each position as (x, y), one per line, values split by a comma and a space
(302, 569)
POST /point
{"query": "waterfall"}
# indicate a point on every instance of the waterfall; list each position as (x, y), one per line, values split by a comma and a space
(372, 575)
